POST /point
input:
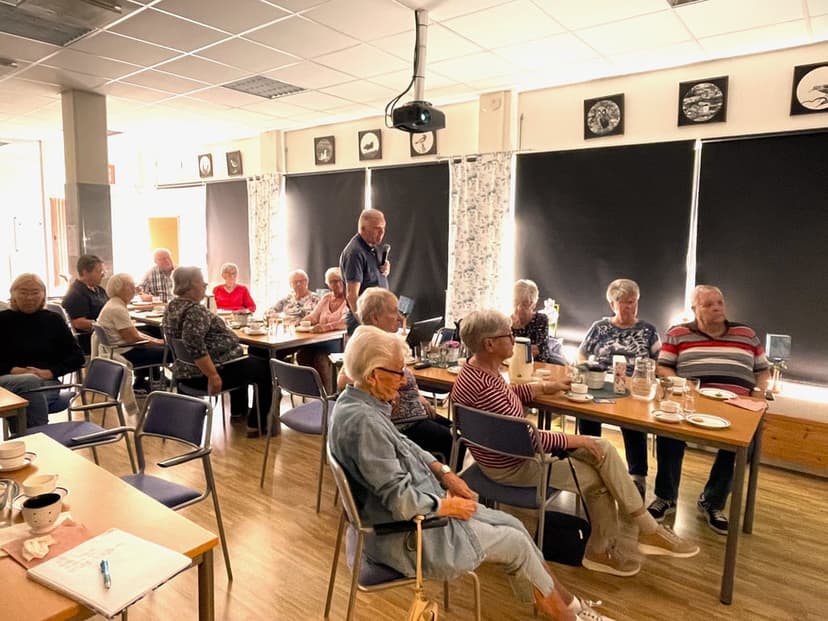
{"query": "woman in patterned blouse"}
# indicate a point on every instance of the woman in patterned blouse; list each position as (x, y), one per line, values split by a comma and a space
(210, 342)
(529, 323)
(301, 301)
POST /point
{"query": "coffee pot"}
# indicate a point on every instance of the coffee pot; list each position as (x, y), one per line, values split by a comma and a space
(522, 366)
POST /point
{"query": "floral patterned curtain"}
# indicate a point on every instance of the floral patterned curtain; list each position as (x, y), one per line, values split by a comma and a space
(481, 192)
(267, 243)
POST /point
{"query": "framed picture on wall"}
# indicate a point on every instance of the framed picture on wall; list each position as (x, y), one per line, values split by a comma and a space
(424, 143)
(370, 144)
(324, 150)
(702, 101)
(810, 89)
(205, 165)
(604, 116)
(234, 163)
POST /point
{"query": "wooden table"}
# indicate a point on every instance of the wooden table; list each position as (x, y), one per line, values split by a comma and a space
(12, 405)
(101, 501)
(746, 427)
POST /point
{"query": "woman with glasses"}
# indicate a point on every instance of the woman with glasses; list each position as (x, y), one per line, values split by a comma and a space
(601, 472)
(529, 323)
(394, 479)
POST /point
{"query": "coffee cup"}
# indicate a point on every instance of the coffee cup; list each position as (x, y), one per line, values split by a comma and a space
(671, 407)
(12, 453)
(305, 323)
(38, 484)
(42, 511)
(595, 379)
(678, 384)
(578, 389)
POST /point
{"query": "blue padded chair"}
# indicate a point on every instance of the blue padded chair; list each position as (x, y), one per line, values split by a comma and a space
(370, 575)
(512, 437)
(185, 420)
(107, 349)
(310, 417)
(103, 380)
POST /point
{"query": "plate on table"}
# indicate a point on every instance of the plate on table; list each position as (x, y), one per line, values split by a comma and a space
(708, 421)
(717, 393)
(578, 398)
(19, 500)
(152, 314)
(668, 417)
(410, 360)
(454, 370)
(27, 460)
(304, 328)
(255, 332)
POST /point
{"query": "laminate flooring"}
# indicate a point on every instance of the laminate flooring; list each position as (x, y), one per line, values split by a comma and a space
(281, 549)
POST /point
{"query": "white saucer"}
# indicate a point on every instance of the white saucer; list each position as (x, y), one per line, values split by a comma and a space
(18, 502)
(668, 417)
(27, 460)
(250, 332)
(410, 360)
(578, 398)
(304, 328)
(708, 421)
(453, 370)
(717, 393)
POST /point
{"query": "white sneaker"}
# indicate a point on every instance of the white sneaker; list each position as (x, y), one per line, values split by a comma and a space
(584, 612)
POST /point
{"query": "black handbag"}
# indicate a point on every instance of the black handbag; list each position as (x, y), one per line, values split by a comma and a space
(566, 535)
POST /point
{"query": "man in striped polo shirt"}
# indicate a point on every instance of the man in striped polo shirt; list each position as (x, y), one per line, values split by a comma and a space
(722, 354)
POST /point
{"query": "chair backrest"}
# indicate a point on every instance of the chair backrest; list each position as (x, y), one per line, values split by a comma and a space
(507, 435)
(297, 379)
(445, 334)
(58, 309)
(106, 376)
(177, 417)
(344, 487)
(100, 334)
(179, 351)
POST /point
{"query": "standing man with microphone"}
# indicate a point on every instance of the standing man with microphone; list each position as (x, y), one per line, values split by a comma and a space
(364, 261)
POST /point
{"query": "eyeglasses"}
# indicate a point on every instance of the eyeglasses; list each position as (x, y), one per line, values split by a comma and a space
(509, 336)
(399, 373)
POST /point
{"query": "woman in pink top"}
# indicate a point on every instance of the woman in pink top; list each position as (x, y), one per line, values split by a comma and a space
(231, 295)
(329, 313)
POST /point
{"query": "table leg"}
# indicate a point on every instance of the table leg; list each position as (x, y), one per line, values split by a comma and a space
(206, 588)
(747, 527)
(729, 572)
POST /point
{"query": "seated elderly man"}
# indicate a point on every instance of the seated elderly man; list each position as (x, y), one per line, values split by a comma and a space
(394, 479)
(85, 298)
(38, 348)
(157, 282)
(723, 354)
(210, 342)
(609, 492)
(301, 301)
(412, 414)
(121, 330)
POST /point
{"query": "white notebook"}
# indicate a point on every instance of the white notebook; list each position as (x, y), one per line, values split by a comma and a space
(136, 566)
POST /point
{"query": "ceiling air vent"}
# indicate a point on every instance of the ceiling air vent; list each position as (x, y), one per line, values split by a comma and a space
(58, 22)
(264, 87)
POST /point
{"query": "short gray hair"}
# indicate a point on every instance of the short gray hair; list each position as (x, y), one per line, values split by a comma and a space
(332, 271)
(116, 284)
(183, 278)
(370, 348)
(298, 273)
(525, 290)
(229, 267)
(480, 325)
(700, 290)
(373, 302)
(621, 287)
(369, 215)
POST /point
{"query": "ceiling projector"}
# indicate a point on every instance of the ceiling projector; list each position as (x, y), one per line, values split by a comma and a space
(418, 117)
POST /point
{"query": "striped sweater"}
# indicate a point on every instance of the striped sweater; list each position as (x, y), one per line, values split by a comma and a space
(484, 391)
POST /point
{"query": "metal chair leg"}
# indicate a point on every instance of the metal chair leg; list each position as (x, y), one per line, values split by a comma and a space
(211, 483)
(335, 562)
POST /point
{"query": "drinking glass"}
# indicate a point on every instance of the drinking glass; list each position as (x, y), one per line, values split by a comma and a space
(689, 405)
(693, 384)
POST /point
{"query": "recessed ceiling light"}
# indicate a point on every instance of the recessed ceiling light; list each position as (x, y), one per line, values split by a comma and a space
(264, 87)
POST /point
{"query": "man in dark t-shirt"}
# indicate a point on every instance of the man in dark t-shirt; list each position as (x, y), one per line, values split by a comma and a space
(85, 298)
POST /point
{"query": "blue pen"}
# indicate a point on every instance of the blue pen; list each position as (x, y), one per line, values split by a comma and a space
(107, 578)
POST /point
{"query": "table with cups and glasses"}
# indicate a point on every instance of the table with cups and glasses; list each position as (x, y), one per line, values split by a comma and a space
(100, 501)
(12, 406)
(745, 427)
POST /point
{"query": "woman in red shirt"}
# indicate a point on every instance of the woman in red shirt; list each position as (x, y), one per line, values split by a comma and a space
(231, 295)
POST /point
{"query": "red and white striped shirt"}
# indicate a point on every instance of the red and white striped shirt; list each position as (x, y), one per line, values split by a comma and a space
(478, 389)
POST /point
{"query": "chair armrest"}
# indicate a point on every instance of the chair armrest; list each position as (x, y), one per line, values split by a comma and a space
(174, 461)
(136, 343)
(55, 387)
(226, 362)
(105, 433)
(405, 526)
(86, 407)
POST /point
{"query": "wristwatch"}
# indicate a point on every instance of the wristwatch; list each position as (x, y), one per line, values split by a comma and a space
(445, 469)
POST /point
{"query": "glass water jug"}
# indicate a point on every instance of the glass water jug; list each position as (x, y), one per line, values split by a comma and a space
(643, 384)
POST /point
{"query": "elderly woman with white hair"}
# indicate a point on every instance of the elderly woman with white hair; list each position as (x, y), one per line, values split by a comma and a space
(120, 329)
(623, 334)
(38, 347)
(601, 472)
(529, 323)
(231, 295)
(301, 301)
(394, 479)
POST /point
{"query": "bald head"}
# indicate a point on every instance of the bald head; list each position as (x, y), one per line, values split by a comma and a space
(163, 259)
(372, 226)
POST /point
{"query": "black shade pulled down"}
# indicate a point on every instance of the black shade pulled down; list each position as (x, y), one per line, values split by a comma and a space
(228, 239)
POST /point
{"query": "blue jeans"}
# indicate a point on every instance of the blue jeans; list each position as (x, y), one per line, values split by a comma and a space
(37, 412)
(635, 445)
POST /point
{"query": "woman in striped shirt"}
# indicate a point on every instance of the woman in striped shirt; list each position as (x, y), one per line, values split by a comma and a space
(601, 472)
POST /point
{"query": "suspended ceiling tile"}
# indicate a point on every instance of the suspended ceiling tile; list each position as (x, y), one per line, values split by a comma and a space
(301, 37)
(196, 106)
(547, 52)
(713, 17)
(51, 113)
(359, 90)
(577, 14)
(755, 40)
(89, 64)
(164, 81)
(111, 45)
(18, 48)
(243, 15)
(363, 61)
(440, 10)
(247, 55)
(17, 103)
(819, 26)
(62, 77)
(135, 93)
(297, 5)
(310, 75)
(281, 107)
(473, 67)
(167, 30)
(200, 69)
(673, 55)
(313, 100)
(818, 7)
(636, 33)
(442, 44)
(225, 97)
(363, 19)
(19, 85)
(398, 80)
(506, 24)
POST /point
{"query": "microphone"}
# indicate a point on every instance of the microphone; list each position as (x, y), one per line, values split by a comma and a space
(385, 250)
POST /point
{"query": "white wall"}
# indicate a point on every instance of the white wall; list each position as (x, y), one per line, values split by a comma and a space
(179, 163)
(759, 95)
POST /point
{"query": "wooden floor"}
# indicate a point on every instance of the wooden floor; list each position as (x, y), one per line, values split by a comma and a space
(281, 551)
